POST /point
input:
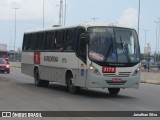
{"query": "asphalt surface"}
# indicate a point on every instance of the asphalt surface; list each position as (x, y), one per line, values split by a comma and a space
(18, 93)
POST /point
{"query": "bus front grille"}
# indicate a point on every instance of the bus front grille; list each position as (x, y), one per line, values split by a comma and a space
(120, 74)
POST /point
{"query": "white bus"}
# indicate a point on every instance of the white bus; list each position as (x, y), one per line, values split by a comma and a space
(88, 55)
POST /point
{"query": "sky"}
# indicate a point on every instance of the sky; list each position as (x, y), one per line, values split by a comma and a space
(29, 16)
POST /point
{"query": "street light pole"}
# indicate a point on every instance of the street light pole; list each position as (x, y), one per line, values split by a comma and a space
(158, 39)
(139, 9)
(156, 42)
(15, 27)
(65, 12)
(10, 42)
(43, 12)
(15, 31)
(61, 13)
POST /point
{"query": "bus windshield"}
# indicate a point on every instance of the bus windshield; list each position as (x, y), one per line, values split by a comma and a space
(3, 54)
(113, 45)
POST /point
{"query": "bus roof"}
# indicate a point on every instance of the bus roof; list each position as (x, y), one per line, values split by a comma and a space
(86, 25)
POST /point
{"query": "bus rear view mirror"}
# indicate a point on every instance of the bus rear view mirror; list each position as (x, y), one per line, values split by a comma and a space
(84, 37)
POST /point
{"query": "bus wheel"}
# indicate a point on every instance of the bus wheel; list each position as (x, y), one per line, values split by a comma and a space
(113, 91)
(70, 85)
(45, 83)
(37, 80)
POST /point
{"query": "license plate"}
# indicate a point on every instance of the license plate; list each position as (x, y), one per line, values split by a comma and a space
(117, 80)
(108, 69)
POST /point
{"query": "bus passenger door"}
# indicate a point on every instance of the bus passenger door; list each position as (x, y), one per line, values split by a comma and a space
(82, 55)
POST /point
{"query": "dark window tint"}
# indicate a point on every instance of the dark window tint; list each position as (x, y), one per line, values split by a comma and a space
(70, 40)
(59, 40)
(3, 54)
(81, 51)
(33, 41)
(49, 40)
(26, 42)
(40, 41)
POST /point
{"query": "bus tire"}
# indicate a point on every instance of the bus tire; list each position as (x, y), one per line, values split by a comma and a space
(70, 84)
(113, 91)
(45, 83)
(37, 80)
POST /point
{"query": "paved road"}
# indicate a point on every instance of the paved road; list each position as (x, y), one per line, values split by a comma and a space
(18, 92)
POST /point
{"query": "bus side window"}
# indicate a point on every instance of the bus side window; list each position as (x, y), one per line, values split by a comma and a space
(59, 40)
(65, 40)
(81, 51)
(46, 44)
(52, 42)
(49, 40)
(69, 43)
(40, 41)
(33, 41)
(26, 42)
(55, 41)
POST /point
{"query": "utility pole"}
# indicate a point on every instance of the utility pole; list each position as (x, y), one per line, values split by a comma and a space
(61, 13)
(43, 12)
(15, 32)
(65, 12)
(10, 42)
(15, 27)
(139, 10)
(156, 41)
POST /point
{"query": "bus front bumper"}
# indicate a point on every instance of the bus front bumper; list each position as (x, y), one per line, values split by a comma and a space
(100, 81)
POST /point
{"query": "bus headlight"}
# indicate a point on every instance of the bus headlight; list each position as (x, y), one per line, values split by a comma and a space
(94, 70)
(7, 66)
(136, 72)
(91, 67)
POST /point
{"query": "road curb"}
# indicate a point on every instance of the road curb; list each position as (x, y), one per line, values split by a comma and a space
(15, 64)
(149, 77)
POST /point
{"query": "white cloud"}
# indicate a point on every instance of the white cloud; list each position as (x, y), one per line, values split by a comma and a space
(129, 18)
(29, 10)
